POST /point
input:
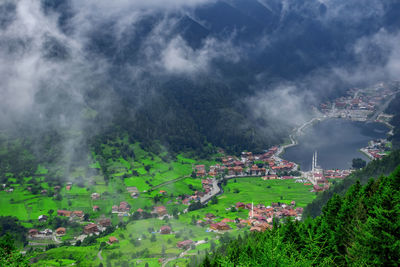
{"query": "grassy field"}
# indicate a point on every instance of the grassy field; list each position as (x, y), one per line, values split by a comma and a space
(257, 191)
(140, 241)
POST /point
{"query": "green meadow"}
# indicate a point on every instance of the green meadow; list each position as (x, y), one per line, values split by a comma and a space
(159, 180)
(254, 190)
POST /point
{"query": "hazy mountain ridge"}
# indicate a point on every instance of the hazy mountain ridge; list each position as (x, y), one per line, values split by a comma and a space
(185, 74)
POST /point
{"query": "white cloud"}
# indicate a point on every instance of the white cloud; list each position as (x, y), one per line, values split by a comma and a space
(284, 104)
(178, 57)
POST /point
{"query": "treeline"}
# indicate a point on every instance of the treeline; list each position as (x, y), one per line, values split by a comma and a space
(187, 115)
(9, 254)
(12, 227)
(375, 168)
(360, 228)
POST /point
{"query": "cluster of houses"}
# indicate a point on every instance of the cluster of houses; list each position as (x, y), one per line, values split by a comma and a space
(123, 209)
(91, 228)
(267, 164)
(207, 186)
(259, 219)
(320, 188)
(46, 233)
(76, 214)
(209, 219)
(336, 174)
(261, 216)
(376, 149)
(359, 103)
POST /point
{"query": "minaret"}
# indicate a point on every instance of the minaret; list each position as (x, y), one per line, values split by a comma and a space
(312, 163)
(316, 159)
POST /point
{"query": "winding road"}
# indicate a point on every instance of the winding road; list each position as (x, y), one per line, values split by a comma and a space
(214, 191)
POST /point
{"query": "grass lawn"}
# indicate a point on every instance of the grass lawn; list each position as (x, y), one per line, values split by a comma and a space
(135, 246)
(257, 191)
(140, 230)
(265, 192)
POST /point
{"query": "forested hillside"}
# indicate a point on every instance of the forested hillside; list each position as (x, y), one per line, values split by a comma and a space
(360, 228)
(375, 169)
(201, 73)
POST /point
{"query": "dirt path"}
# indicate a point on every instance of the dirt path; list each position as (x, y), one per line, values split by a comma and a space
(170, 182)
(99, 255)
(182, 253)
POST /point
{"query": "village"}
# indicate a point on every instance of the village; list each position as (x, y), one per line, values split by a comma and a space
(362, 104)
(376, 149)
(267, 166)
(359, 105)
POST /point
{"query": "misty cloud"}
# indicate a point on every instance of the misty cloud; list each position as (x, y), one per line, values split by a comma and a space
(46, 69)
(353, 10)
(284, 104)
(382, 45)
(178, 57)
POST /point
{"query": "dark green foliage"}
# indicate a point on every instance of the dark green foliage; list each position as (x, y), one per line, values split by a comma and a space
(358, 163)
(9, 255)
(359, 229)
(375, 168)
(11, 226)
(195, 206)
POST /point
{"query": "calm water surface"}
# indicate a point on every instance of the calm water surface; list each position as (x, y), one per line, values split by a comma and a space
(337, 142)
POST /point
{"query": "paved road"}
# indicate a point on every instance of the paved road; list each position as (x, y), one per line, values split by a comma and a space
(296, 132)
(383, 107)
(214, 191)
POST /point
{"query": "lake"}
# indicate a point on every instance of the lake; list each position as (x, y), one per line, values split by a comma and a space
(337, 142)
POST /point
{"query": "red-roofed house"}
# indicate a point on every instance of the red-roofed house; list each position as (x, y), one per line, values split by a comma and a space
(65, 213)
(112, 240)
(105, 222)
(160, 210)
(221, 226)
(238, 170)
(184, 244)
(200, 168)
(77, 213)
(201, 173)
(254, 170)
(61, 231)
(33, 232)
(90, 228)
(165, 230)
(240, 205)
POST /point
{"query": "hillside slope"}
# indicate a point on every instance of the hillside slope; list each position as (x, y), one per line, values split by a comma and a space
(358, 229)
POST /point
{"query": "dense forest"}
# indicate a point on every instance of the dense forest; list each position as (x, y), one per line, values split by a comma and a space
(12, 234)
(360, 228)
(375, 168)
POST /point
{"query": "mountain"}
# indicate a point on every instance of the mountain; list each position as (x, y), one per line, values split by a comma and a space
(186, 75)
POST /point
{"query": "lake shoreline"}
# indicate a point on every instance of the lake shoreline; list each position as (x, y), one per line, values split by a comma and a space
(355, 134)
